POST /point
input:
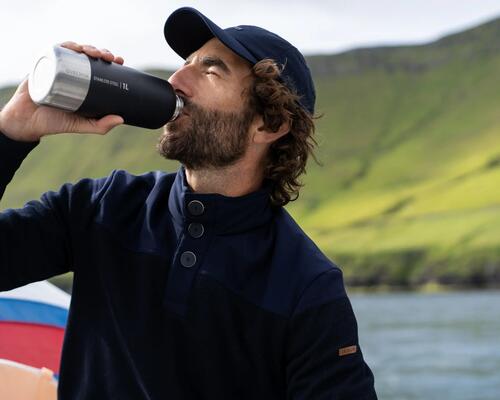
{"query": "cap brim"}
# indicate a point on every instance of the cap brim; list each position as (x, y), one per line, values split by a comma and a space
(187, 30)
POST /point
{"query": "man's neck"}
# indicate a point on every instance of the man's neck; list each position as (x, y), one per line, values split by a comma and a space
(233, 181)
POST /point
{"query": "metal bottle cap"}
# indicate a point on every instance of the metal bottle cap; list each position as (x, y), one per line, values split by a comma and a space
(60, 78)
(179, 105)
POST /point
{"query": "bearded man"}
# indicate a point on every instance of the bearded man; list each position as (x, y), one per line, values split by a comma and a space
(195, 284)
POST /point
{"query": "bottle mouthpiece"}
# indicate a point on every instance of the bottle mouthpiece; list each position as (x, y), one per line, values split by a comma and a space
(179, 105)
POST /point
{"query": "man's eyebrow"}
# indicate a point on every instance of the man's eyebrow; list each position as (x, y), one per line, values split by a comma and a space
(212, 61)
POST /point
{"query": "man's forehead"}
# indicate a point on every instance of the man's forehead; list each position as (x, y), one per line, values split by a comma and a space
(215, 48)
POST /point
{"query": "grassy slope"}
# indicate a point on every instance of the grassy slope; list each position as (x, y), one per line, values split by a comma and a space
(410, 142)
(412, 163)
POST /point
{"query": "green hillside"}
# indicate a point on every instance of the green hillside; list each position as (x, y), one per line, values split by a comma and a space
(409, 190)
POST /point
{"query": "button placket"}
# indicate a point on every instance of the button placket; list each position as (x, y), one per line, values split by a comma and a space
(195, 229)
(190, 252)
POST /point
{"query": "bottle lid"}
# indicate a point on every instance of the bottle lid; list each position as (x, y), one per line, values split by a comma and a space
(60, 78)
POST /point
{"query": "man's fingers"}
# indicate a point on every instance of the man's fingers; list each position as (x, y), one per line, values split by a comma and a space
(107, 55)
(71, 45)
(92, 51)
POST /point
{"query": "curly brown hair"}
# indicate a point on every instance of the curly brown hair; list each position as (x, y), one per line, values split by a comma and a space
(287, 156)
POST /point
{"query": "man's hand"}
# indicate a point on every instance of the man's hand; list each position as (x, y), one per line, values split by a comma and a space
(23, 120)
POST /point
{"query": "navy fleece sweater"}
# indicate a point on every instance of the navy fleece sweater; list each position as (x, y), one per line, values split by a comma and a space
(180, 295)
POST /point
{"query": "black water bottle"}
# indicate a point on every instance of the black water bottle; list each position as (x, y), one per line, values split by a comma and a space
(93, 88)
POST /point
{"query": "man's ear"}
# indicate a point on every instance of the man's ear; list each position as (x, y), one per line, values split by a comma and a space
(262, 135)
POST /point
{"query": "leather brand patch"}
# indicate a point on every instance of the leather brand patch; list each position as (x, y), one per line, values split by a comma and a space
(348, 350)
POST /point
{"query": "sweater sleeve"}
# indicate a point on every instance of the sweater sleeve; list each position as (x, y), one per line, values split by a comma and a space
(324, 360)
(36, 240)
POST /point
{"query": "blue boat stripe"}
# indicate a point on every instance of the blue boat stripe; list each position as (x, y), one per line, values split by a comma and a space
(18, 310)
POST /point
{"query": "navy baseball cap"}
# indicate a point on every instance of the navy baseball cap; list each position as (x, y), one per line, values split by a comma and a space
(186, 30)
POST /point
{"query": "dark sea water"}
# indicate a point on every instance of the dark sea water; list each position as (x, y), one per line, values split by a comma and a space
(432, 346)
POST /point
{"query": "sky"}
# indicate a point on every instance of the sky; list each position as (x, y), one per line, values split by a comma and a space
(133, 29)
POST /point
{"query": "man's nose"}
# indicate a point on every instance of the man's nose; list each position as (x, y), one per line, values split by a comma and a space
(182, 81)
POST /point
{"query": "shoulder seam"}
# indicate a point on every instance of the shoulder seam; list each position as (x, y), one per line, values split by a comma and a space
(294, 308)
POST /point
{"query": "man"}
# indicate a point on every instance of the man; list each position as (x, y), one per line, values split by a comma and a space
(195, 284)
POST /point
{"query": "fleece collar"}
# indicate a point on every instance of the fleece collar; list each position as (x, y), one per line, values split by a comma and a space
(224, 215)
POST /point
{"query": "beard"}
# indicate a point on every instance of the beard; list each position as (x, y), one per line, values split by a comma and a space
(206, 139)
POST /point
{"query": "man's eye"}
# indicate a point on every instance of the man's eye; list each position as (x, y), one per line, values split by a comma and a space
(208, 72)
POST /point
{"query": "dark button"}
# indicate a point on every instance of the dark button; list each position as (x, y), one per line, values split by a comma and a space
(196, 207)
(188, 259)
(196, 230)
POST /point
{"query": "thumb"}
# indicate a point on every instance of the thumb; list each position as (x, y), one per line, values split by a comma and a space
(109, 122)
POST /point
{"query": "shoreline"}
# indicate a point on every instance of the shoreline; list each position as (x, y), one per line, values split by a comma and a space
(64, 282)
(429, 287)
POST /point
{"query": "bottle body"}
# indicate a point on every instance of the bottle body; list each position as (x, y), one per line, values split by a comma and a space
(93, 88)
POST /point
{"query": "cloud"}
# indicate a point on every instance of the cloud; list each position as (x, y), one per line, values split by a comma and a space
(134, 29)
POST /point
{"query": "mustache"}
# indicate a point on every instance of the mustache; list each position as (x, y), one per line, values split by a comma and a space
(191, 107)
(188, 104)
